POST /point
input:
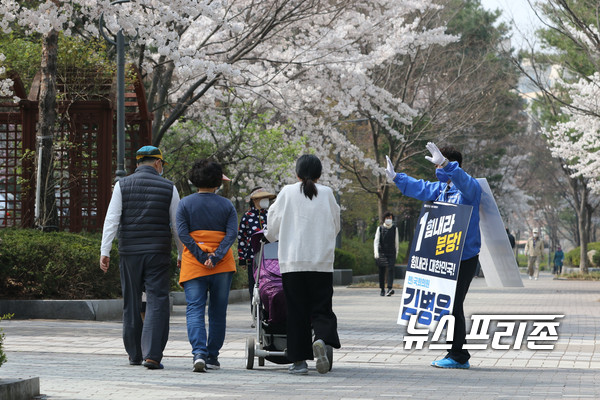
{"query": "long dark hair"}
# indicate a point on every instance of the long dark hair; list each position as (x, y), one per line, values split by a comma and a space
(308, 169)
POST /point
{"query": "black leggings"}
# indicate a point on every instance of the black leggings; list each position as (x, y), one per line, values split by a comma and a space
(387, 271)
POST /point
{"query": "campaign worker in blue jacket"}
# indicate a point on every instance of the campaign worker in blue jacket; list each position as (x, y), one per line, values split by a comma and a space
(458, 187)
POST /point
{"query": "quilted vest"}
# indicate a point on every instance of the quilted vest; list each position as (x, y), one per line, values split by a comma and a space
(387, 241)
(145, 224)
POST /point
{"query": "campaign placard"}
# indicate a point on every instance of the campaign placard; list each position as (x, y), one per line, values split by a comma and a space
(433, 263)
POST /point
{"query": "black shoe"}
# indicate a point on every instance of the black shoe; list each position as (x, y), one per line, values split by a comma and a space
(212, 363)
(135, 362)
(382, 293)
(390, 292)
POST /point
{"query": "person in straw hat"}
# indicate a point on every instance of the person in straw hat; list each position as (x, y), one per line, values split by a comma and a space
(254, 220)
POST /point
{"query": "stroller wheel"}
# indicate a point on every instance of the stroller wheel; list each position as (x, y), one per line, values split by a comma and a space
(261, 361)
(250, 353)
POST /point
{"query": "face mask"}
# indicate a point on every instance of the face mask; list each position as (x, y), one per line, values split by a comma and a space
(264, 203)
(388, 222)
(442, 175)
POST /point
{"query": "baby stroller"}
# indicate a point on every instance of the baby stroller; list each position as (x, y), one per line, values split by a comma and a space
(268, 307)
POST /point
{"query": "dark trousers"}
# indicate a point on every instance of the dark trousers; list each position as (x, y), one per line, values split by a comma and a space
(145, 339)
(387, 271)
(308, 297)
(250, 271)
(465, 276)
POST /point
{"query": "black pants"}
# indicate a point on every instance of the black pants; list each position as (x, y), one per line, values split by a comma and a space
(308, 297)
(465, 276)
(387, 271)
(250, 270)
(147, 339)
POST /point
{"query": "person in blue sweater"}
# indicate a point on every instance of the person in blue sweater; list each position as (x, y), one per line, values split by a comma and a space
(458, 187)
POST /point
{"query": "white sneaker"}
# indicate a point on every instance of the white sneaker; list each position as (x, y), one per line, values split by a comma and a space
(529, 277)
(320, 354)
(199, 365)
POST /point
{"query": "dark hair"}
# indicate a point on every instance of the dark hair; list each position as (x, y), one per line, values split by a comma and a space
(206, 174)
(387, 214)
(452, 154)
(308, 169)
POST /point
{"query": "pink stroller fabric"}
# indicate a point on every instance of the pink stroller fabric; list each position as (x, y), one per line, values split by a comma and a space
(270, 286)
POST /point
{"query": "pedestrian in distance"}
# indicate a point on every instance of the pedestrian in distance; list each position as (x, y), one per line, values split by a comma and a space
(305, 219)
(559, 257)
(254, 220)
(143, 208)
(458, 187)
(207, 226)
(534, 249)
(511, 239)
(385, 248)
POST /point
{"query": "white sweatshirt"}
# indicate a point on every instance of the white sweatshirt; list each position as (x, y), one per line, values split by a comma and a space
(306, 229)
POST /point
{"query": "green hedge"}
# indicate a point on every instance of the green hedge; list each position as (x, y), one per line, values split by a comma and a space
(572, 257)
(63, 265)
(344, 260)
(58, 265)
(358, 256)
(2, 354)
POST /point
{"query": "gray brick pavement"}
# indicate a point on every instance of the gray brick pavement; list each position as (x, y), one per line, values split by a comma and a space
(86, 360)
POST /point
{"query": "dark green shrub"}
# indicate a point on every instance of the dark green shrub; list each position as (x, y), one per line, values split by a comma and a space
(365, 258)
(344, 260)
(2, 354)
(403, 248)
(572, 257)
(240, 279)
(58, 265)
(363, 253)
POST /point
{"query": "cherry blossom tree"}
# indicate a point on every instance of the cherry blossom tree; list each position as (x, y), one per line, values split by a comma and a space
(576, 139)
(571, 115)
(285, 52)
(5, 83)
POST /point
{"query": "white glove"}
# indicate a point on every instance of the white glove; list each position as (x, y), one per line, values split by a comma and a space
(389, 170)
(437, 157)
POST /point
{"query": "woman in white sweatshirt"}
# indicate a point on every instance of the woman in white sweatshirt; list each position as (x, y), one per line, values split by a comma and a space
(305, 219)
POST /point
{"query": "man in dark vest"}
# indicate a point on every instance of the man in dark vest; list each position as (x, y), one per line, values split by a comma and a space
(143, 209)
(385, 247)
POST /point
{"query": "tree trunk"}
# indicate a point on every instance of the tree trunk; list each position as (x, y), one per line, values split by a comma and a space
(582, 222)
(45, 199)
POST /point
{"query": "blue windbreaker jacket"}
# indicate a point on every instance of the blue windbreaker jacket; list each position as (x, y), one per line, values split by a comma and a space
(463, 189)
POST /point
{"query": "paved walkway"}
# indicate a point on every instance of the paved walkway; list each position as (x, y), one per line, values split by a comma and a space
(86, 360)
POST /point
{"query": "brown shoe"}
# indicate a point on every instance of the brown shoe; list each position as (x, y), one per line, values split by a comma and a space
(151, 364)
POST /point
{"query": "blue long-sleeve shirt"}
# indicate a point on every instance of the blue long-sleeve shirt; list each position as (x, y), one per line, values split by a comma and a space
(463, 189)
(206, 212)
